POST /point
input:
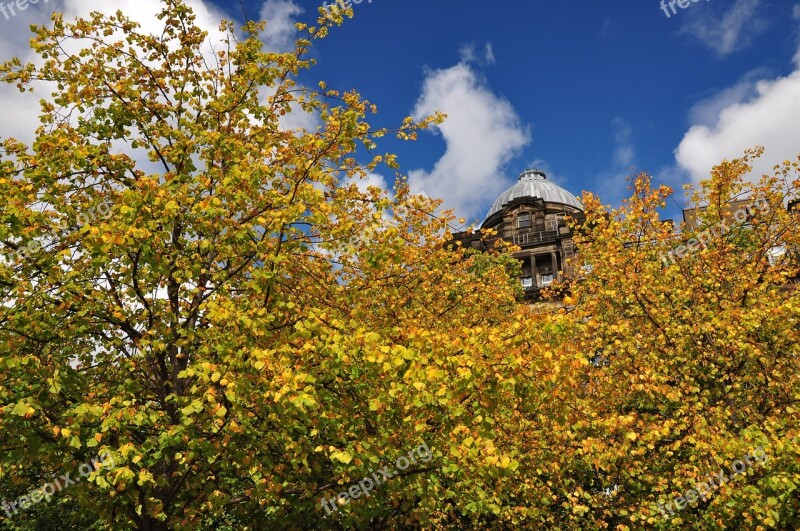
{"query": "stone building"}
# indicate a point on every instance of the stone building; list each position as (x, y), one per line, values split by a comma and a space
(533, 215)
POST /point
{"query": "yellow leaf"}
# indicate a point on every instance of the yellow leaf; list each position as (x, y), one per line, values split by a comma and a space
(342, 457)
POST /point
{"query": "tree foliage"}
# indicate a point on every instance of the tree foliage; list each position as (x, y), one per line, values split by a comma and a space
(247, 329)
(694, 357)
(213, 301)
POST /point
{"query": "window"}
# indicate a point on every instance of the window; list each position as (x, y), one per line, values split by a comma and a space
(523, 220)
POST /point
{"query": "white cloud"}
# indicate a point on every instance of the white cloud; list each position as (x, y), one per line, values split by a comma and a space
(624, 152)
(489, 53)
(372, 179)
(725, 32)
(770, 118)
(796, 16)
(280, 36)
(758, 110)
(20, 114)
(469, 54)
(281, 32)
(21, 110)
(15, 25)
(297, 119)
(707, 111)
(482, 133)
(144, 12)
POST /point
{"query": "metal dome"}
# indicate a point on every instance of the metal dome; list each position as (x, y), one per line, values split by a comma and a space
(534, 183)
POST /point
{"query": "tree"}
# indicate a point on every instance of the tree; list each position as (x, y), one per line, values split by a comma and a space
(691, 363)
(210, 325)
(208, 303)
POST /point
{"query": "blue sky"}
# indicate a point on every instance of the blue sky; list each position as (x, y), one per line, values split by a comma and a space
(584, 89)
(595, 88)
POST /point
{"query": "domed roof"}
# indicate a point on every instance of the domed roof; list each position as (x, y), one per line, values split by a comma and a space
(534, 183)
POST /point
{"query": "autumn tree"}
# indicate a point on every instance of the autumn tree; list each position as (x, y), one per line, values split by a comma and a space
(218, 312)
(690, 360)
(213, 302)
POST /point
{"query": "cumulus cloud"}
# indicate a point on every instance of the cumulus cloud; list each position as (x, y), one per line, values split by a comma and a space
(706, 112)
(770, 117)
(482, 133)
(143, 11)
(280, 36)
(760, 109)
(372, 179)
(21, 110)
(281, 32)
(15, 24)
(298, 119)
(724, 27)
